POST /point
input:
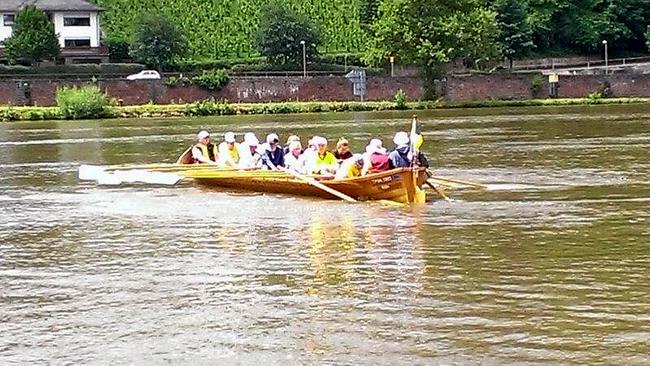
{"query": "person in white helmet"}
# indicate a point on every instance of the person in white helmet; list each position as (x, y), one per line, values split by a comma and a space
(229, 151)
(250, 156)
(204, 152)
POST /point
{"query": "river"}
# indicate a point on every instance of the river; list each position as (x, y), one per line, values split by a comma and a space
(548, 266)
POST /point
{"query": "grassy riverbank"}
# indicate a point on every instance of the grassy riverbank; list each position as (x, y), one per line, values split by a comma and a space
(210, 108)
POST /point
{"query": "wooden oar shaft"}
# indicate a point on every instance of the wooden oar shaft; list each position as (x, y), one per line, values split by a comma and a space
(458, 181)
(438, 190)
(318, 184)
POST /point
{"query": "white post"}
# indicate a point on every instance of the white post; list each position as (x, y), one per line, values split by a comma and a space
(304, 60)
(606, 60)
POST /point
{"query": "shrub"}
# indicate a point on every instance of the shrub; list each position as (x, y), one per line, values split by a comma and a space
(536, 84)
(595, 97)
(8, 114)
(400, 99)
(209, 108)
(118, 48)
(82, 102)
(212, 79)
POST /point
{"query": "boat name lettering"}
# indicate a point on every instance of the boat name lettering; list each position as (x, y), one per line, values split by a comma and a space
(382, 180)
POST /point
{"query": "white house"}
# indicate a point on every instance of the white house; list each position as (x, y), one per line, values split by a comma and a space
(76, 22)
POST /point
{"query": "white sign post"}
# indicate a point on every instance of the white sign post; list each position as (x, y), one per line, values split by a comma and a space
(358, 79)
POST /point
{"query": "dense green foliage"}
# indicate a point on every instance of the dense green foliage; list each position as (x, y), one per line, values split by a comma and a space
(226, 29)
(516, 36)
(208, 79)
(156, 42)
(33, 38)
(211, 107)
(430, 34)
(82, 102)
(281, 35)
(579, 26)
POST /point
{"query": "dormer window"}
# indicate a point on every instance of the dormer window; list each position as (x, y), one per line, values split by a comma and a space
(8, 20)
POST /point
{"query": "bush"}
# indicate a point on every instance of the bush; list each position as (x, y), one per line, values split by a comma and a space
(118, 48)
(82, 102)
(536, 84)
(209, 108)
(8, 114)
(400, 99)
(212, 79)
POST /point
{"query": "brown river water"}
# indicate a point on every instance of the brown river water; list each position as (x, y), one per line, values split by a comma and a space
(549, 266)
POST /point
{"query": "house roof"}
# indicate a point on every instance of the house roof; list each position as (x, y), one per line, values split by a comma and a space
(49, 5)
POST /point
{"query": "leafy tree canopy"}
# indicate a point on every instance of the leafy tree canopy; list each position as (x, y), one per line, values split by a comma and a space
(280, 34)
(33, 39)
(156, 42)
(516, 36)
(432, 33)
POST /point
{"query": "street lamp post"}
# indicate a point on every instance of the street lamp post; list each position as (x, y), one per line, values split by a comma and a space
(606, 60)
(304, 60)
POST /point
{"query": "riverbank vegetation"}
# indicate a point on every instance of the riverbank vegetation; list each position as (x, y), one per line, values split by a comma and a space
(222, 108)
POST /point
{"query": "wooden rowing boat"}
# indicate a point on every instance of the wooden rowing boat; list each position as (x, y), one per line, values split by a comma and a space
(400, 185)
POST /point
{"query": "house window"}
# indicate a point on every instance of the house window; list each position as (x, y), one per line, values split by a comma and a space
(76, 22)
(77, 43)
(8, 20)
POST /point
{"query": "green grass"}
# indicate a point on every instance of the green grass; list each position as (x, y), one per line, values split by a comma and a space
(216, 108)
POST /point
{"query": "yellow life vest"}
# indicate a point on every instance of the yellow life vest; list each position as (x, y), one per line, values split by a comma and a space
(209, 151)
(327, 159)
(234, 154)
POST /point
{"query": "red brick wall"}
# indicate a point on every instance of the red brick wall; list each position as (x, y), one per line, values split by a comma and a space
(248, 89)
(261, 89)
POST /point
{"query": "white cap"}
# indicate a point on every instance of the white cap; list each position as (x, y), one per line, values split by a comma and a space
(318, 140)
(272, 138)
(295, 145)
(229, 137)
(375, 146)
(357, 158)
(250, 139)
(401, 138)
(293, 138)
(203, 134)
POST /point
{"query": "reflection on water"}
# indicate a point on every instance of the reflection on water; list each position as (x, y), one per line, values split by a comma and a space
(546, 267)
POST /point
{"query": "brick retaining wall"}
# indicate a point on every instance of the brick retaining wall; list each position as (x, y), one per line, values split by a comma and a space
(337, 88)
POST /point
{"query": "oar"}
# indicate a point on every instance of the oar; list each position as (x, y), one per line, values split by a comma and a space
(458, 181)
(99, 174)
(318, 184)
(439, 191)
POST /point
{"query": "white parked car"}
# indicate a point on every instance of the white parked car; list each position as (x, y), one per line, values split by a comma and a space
(144, 74)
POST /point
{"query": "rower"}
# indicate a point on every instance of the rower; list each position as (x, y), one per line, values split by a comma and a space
(290, 139)
(376, 158)
(324, 161)
(400, 157)
(204, 151)
(294, 159)
(342, 150)
(350, 168)
(229, 150)
(250, 157)
(273, 155)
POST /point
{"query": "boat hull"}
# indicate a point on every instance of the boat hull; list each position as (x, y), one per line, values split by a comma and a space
(400, 185)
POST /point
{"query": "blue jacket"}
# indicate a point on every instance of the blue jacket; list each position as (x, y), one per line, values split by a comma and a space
(273, 158)
(399, 158)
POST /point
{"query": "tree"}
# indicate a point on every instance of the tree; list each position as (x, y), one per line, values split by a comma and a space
(516, 36)
(33, 39)
(431, 34)
(156, 42)
(279, 35)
